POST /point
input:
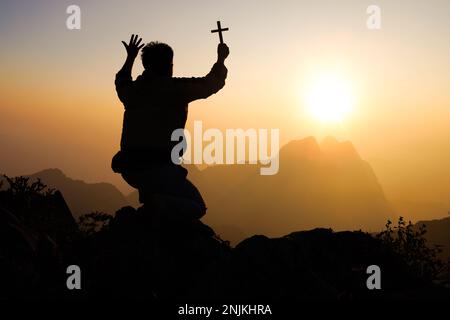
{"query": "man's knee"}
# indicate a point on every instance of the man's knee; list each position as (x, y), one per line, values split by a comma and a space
(191, 191)
(175, 207)
(132, 178)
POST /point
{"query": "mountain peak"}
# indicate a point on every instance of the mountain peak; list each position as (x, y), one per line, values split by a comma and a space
(50, 172)
(83, 197)
(329, 142)
(339, 150)
(329, 147)
(303, 148)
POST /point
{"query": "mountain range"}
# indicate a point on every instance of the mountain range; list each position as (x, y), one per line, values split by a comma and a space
(83, 197)
(318, 184)
(438, 234)
(324, 184)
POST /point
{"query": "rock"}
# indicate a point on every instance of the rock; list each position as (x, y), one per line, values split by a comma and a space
(144, 253)
(29, 261)
(186, 260)
(151, 256)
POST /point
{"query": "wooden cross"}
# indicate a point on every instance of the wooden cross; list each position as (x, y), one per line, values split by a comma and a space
(219, 30)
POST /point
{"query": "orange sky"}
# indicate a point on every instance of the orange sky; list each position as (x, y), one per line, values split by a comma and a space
(59, 109)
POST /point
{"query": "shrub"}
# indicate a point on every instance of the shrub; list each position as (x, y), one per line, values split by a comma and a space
(94, 222)
(408, 241)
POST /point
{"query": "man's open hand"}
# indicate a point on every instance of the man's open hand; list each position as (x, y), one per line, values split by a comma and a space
(133, 46)
(222, 52)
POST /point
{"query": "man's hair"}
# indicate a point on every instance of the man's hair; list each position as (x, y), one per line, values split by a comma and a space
(157, 55)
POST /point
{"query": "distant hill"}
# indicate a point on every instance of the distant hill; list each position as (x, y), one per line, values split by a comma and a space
(133, 199)
(318, 185)
(326, 184)
(438, 234)
(83, 197)
(415, 190)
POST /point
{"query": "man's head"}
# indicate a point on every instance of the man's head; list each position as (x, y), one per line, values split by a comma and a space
(158, 57)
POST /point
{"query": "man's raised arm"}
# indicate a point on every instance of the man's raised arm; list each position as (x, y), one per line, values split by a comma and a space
(123, 77)
(201, 88)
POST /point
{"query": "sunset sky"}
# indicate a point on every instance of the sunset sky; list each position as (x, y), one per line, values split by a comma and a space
(58, 106)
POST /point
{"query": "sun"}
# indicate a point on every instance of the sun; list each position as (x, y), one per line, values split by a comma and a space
(330, 99)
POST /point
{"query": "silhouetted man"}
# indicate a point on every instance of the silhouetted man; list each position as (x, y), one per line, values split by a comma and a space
(155, 105)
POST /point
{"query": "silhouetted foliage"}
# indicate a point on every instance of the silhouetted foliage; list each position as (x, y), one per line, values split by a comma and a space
(94, 222)
(38, 207)
(150, 253)
(22, 186)
(37, 231)
(21, 194)
(410, 244)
